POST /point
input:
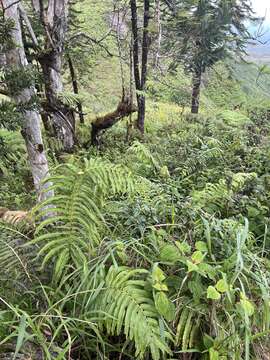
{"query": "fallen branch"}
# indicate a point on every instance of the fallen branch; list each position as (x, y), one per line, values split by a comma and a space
(124, 108)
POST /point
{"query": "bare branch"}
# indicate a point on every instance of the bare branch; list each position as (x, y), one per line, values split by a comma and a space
(28, 25)
(93, 40)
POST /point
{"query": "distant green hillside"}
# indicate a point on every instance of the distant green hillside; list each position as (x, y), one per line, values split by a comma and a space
(254, 84)
(236, 85)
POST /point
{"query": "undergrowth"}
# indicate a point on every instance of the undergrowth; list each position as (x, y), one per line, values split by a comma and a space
(154, 250)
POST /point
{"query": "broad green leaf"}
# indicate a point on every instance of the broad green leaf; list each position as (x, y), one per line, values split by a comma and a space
(201, 246)
(208, 270)
(191, 266)
(164, 172)
(160, 287)
(164, 306)
(170, 253)
(196, 288)
(157, 274)
(21, 335)
(246, 305)
(222, 286)
(212, 293)
(197, 257)
(208, 341)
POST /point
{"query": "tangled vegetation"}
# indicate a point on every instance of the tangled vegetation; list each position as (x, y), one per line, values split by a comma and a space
(162, 245)
(149, 240)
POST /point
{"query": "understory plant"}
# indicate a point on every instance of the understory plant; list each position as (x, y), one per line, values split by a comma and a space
(162, 253)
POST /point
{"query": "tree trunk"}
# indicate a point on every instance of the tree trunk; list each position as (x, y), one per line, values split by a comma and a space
(145, 50)
(54, 23)
(136, 64)
(2, 58)
(36, 6)
(75, 88)
(141, 112)
(140, 79)
(31, 127)
(196, 88)
(159, 37)
(134, 23)
(60, 114)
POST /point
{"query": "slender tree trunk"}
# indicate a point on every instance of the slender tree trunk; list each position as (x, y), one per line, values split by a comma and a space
(140, 79)
(196, 88)
(75, 88)
(159, 29)
(145, 50)
(2, 58)
(135, 42)
(31, 127)
(136, 63)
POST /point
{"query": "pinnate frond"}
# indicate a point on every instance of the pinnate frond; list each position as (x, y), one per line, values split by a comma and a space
(126, 299)
(74, 225)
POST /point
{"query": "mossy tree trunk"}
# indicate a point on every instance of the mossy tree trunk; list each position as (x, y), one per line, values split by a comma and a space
(140, 72)
(54, 21)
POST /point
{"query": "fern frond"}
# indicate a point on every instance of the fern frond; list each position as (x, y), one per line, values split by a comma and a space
(188, 328)
(11, 148)
(130, 308)
(14, 258)
(69, 98)
(143, 154)
(216, 194)
(72, 234)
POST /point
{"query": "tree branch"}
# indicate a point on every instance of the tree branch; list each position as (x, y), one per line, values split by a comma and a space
(93, 40)
(28, 25)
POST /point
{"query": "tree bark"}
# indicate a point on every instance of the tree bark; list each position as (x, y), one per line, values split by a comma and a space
(140, 79)
(196, 88)
(31, 127)
(28, 25)
(2, 60)
(159, 37)
(145, 50)
(75, 88)
(36, 6)
(134, 23)
(60, 114)
(55, 27)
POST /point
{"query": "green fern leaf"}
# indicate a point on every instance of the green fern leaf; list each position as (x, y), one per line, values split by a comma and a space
(74, 225)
